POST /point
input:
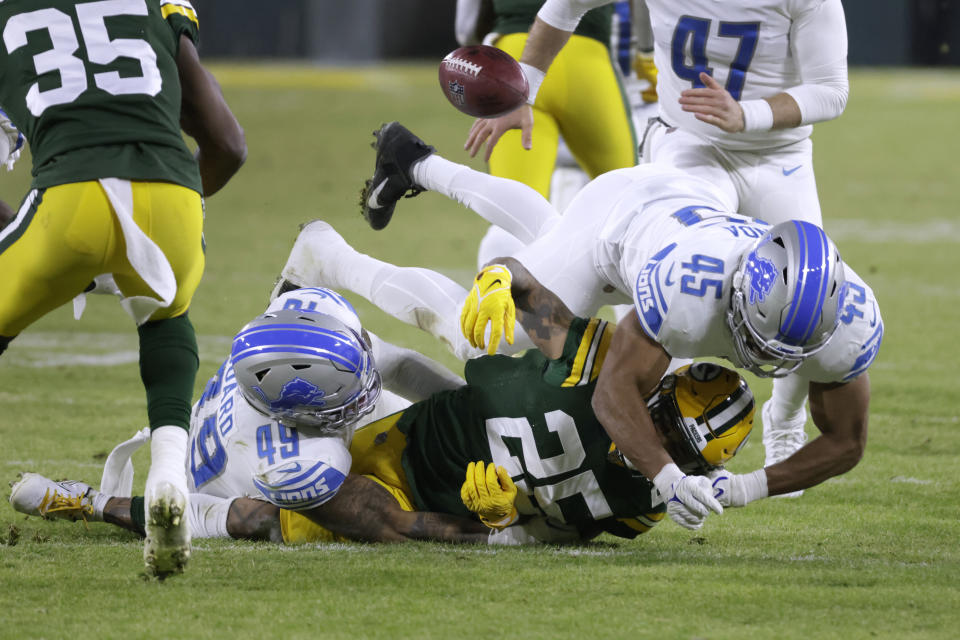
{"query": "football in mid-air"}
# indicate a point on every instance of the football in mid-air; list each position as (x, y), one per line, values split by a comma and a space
(482, 81)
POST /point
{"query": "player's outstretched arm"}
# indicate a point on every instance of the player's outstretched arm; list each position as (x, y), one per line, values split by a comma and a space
(541, 313)
(840, 412)
(206, 117)
(632, 369)
(363, 510)
(549, 33)
(502, 288)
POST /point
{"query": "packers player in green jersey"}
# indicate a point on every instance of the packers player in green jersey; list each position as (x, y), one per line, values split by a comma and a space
(514, 456)
(102, 90)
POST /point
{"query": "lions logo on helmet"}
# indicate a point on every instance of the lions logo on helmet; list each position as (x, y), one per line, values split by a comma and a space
(297, 391)
(786, 295)
(306, 367)
(704, 415)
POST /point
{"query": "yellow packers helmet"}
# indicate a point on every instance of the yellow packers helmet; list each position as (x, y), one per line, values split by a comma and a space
(704, 413)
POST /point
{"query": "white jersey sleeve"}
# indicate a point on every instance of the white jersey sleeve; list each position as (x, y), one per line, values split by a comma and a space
(856, 342)
(566, 14)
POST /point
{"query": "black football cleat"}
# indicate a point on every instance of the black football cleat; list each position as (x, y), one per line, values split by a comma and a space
(397, 151)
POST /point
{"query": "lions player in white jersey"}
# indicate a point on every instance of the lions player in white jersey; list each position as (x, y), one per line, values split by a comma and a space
(706, 282)
(276, 420)
(740, 86)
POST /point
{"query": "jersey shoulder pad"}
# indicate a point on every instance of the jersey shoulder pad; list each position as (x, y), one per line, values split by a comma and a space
(856, 342)
(182, 18)
(306, 482)
(588, 341)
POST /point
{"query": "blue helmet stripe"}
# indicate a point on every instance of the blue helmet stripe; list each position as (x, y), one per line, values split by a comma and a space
(305, 334)
(809, 295)
(298, 339)
(351, 364)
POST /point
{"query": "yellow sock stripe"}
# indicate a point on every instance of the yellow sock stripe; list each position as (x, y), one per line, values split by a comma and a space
(576, 371)
(642, 523)
(167, 9)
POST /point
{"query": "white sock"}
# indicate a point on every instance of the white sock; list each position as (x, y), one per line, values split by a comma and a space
(508, 204)
(788, 398)
(168, 451)
(207, 516)
(99, 501)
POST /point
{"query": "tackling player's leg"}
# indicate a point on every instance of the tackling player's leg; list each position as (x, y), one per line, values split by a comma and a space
(397, 150)
(515, 207)
(168, 362)
(419, 297)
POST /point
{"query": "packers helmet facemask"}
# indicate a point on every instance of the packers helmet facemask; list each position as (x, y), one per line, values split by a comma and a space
(703, 413)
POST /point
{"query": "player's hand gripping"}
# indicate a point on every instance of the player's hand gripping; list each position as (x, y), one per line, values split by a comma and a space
(489, 492)
(489, 301)
(689, 499)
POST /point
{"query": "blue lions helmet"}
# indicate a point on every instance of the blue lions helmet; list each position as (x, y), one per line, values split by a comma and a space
(786, 295)
(307, 368)
(318, 300)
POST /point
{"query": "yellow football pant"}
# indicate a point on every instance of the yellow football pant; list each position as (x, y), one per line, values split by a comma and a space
(582, 99)
(377, 452)
(65, 235)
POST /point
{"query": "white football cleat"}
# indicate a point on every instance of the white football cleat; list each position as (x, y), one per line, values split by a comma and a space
(781, 439)
(167, 547)
(35, 495)
(317, 243)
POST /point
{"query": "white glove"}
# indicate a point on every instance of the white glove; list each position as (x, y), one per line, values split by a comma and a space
(689, 499)
(12, 142)
(733, 490)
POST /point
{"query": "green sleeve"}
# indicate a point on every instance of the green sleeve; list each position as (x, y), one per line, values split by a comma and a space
(182, 19)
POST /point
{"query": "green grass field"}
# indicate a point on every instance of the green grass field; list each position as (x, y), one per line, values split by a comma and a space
(872, 554)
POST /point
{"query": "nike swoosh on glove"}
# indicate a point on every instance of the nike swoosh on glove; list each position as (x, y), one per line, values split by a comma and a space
(490, 301)
(735, 490)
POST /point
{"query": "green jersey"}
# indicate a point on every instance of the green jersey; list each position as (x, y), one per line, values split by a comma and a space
(532, 416)
(94, 87)
(516, 16)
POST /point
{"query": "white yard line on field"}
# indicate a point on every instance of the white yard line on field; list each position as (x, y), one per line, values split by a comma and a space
(870, 231)
(44, 349)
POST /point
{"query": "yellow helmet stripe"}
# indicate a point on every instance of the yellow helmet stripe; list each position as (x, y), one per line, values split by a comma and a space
(729, 413)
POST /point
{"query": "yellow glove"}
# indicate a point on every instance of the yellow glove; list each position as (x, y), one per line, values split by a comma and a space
(646, 70)
(490, 493)
(489, 301)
